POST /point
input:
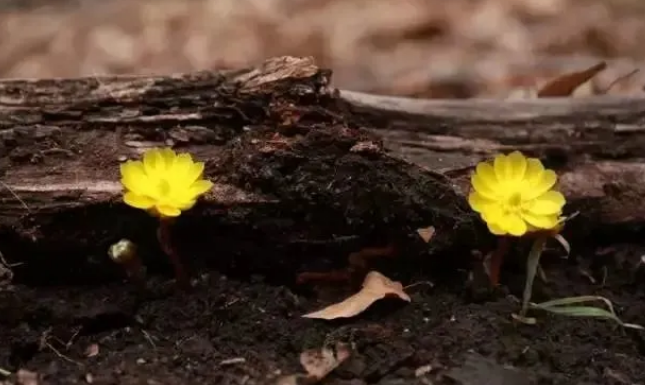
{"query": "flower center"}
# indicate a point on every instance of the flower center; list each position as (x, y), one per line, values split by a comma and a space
(513, 203)
(163, 187)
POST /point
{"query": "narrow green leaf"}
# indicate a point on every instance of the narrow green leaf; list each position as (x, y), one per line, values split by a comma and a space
(575, 300)
(524, 320)
(562, 241)
(581, 311)
(532, 263)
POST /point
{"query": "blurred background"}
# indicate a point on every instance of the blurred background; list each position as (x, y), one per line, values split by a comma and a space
(419, 48)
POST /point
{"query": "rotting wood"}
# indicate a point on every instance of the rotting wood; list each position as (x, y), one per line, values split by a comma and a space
(293, 165)
(596, 144)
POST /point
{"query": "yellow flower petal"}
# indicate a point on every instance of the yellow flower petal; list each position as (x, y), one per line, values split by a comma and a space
(478, 202)
(153, 162)
(181, 168)
(168, 211)
(549, 203)
(186, 204)
(541, 221)
(482, 188)
(542, 185)
(534, 170)
(138, 201)
(495, 229)
(502, 167)
(200, 187)
(492, 214)
(517, 164)
(514, 224)
(132, 175)
(168, 156)
(487, 174)
(195, 172)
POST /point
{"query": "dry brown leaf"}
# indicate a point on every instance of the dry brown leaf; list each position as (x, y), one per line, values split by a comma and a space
(92, 350)
(26, 377)
(375, 286)
(320, 362)
(426, 233)
(566, 84)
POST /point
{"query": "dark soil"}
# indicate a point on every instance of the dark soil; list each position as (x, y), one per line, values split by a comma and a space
(187, 338)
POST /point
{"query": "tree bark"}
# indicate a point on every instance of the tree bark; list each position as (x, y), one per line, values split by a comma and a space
(596, 144)
(303, 174)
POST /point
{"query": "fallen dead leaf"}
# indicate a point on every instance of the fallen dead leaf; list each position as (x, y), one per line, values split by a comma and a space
(26, 377)
(426, 233)
(566, 84)
(92, 350)
(376, 286)
(320, 362)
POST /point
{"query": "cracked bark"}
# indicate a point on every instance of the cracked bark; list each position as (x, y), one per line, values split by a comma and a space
(303, 174)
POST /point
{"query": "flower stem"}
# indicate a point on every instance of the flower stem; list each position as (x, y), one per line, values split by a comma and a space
(165, 240)
(532, 264)
(497, 258)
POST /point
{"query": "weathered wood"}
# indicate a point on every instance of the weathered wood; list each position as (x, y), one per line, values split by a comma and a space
(294, 176)
(596, 144)
(299, 182)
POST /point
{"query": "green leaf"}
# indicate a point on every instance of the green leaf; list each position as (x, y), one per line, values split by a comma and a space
(581, 311)
(559, 306)
(575, 300)
(562, 241)
(532, 264)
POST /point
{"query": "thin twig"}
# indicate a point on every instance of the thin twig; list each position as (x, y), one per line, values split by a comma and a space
(69, 343)
(6, 264)
(618, 80)
(147, 336)
(44, 342)
(15, 196)
(419, 284)
(5, 270)
(61, 355)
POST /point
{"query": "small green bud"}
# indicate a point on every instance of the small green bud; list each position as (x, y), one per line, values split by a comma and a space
(123, 252)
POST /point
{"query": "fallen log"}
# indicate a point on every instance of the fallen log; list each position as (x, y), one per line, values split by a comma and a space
(303, 174)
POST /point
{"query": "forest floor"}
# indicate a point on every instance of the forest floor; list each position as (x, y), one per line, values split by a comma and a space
(249, 330)
(243, 330)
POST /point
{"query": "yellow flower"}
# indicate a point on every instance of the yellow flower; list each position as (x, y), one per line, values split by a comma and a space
(514, 195)
(164, 183)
